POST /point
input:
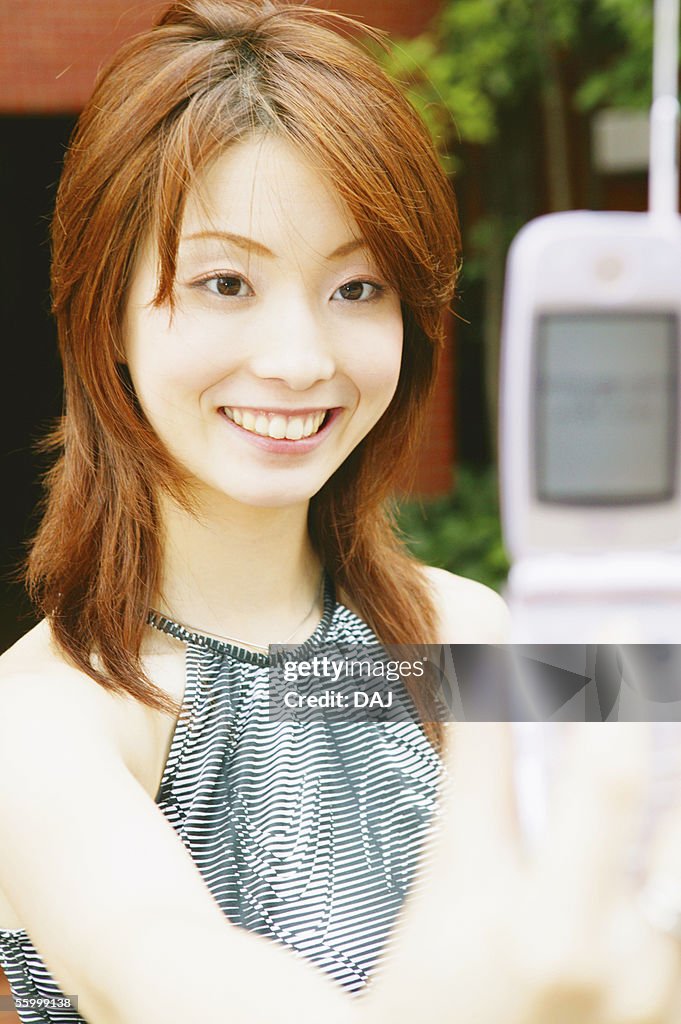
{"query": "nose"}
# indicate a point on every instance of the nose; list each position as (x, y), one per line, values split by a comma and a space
(294, 347)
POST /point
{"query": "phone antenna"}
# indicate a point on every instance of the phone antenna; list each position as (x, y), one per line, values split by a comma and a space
(663, 179)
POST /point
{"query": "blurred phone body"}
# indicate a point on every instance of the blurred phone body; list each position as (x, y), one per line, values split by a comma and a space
(590, 448)
(591, 407)
(591, 429)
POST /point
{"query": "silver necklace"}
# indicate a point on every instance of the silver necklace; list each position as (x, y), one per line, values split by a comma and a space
(260, 648)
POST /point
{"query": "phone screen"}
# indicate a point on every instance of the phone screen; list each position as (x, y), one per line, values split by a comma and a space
(605, 410)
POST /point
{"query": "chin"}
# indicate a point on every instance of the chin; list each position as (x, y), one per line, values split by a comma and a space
(265, 497)
(276, 500)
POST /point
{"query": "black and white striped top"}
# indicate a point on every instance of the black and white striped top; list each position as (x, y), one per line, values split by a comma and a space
(305, 832)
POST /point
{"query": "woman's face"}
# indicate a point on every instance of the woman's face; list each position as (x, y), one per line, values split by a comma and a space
(284, 348)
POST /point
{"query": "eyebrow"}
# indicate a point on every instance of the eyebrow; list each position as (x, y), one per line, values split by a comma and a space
(250, 243)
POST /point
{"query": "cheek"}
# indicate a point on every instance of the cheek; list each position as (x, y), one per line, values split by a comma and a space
(167, 368)
(379, 371)
(156, 384)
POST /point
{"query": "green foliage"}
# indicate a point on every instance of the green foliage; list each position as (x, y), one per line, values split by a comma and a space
(460, 532)
(515, 81)
(508, 77)
(625, 81)
(481, 56)
(480, 240)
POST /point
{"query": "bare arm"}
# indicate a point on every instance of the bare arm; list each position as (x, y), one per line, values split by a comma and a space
(107, 891)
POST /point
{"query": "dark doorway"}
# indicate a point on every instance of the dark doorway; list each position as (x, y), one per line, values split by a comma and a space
(31, 152)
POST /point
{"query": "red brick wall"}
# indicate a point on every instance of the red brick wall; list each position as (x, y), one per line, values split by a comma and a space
(50, 49)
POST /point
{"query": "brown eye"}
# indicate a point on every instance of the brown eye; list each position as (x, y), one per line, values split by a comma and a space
(354, 291)
(228, 285)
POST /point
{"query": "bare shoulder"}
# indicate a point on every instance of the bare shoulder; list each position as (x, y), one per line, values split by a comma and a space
(37, 682)
(34, 663)
(36, 644)
(468, 612)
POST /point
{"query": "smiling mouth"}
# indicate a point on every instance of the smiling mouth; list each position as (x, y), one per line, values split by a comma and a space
(276, 425)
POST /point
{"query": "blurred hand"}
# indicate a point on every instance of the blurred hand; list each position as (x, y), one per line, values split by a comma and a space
(494, 935)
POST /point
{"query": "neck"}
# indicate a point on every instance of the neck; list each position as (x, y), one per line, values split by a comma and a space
(240, 572)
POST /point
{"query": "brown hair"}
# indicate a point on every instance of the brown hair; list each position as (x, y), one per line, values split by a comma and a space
(210, 73)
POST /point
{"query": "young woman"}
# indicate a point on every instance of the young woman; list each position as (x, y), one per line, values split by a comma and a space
(253, 249)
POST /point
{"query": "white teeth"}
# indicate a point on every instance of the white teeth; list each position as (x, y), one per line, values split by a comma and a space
(295, 428)
(277, 426)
